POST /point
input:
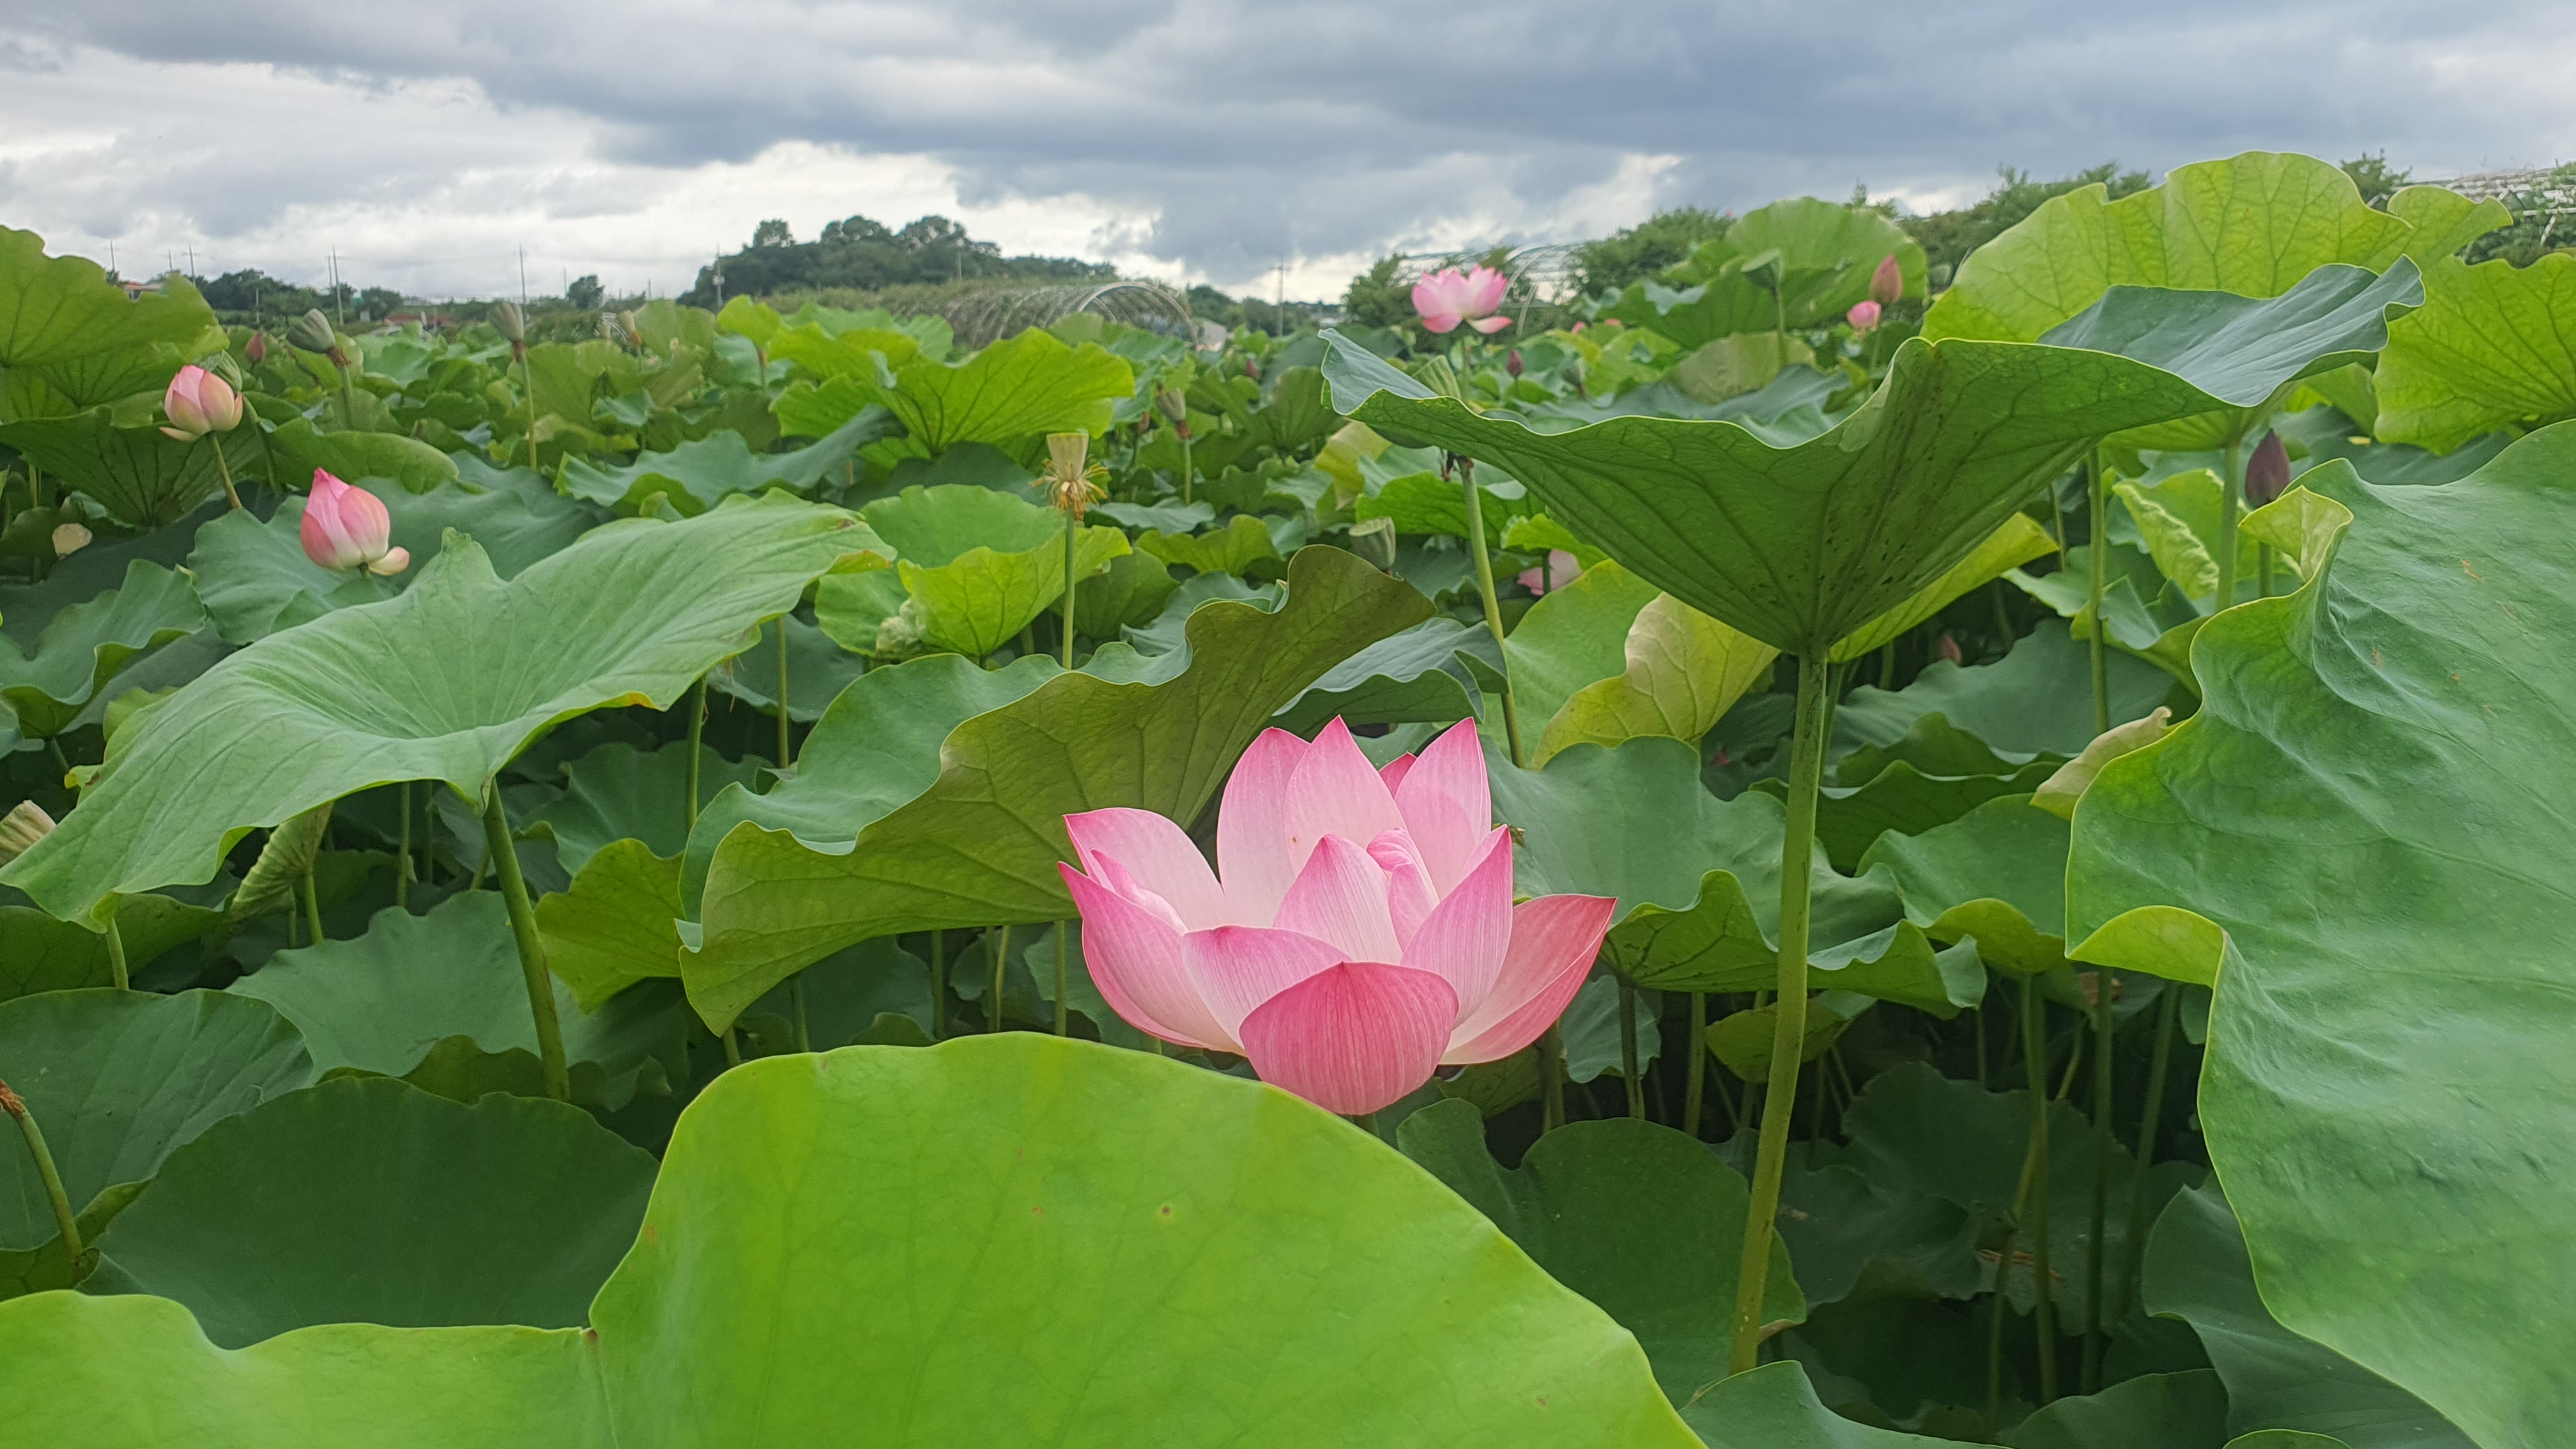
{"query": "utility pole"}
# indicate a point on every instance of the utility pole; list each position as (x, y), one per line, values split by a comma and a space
(1279, 308)
(192, 259)
(719, 271)
(339, 303)
(111, 261)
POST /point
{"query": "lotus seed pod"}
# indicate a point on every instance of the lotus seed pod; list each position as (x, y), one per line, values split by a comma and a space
(20, 829)
(69, 539)
(511, 323)
(313, 333)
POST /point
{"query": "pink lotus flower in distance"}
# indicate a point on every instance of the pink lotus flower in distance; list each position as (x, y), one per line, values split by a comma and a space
(1449, 296)
(1562, 568)
(346, 528)
(199, 403)
(1863, 317)
(1887, 284)
(1363, 933)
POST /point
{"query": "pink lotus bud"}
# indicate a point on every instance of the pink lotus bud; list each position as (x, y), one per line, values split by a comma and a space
(2267, 473)
(1363, 934)
(1950, 648)
(1887, 284)
(1252, 368)
(199, 403)
(1448, 297)
(256, 349)
(1562, 568)
(1863, 318)
(346, 528)
(1512, 364)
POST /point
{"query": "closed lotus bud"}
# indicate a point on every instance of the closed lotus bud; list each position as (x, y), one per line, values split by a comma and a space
(199, 403)
(346, 528)
(2267, 473)
(1863, 318)
(1949, 647)
(256, 349)
(69, 539)
(1512, 364)
(511, 323)
(1887, 284)
(313, 333)
(1252, 368)
(20, 829)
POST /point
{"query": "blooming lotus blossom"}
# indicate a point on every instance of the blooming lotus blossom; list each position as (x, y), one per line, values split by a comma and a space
(1562, 568)
(1887, 284)
(1449, 296)
(346, 528)
(1863, 317)
(199, 403)
(1362, 933)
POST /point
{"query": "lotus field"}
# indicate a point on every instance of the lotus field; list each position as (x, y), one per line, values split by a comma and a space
(1800, 860)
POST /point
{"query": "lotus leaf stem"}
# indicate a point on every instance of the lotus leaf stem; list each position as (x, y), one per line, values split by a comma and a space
(528, 370)
(2098, 505)
(1551, 1078)
(1189, 473)
(1628, 1048)
(2135, 1249)
(1789, 1022)
(224, 470)
(1696, 1075)
(116, 971)
(783, 760)
(2034, 1036)
(532, 949)
(1072, 530)
(1485, 588)
(697, 732)
(938, 984)
(62, 761)
(2102, 1092)
(1062, 1023)
(69, 1225)
(1001, 948)
(312, 905)
(402, 848)
(796, 1000)
(2231, 489)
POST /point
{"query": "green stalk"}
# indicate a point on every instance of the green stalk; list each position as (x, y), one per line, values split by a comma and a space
(69, 1225)
(312, 906)
(62, 761)
(1789, 1024)
(938, 984)
(532, 949)
(2099, 507)
(2034, 1046)
(1697, 1074)
(2231, 490)
(116, 955)
(528, 371)
(1628, 1048)
(1062, 1027)
(1189, 473)
(1072, 526)
(402, 849)
(1001, 969)
(2167, 1013)
(796, 999)
(225, 469)
(783, 761)
(697, 731)
(2093, 1324)
(1551, 1078)
(1493, 608)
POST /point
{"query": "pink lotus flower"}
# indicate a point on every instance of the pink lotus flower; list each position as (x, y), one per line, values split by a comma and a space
(1562, 568)
(1863, 317)
(345, 528)
(199, 403)
(1887, 284)
(1363, 934)
(1449, 296)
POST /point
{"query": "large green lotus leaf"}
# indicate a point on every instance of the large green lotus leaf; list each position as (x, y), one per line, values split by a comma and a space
(1775, 1407)
(1908, 800)
(447, 682)
(977, 842)
(2037, 699)
(88, 644)
(1683, 672)
(139, 475)
(1573, 637)
(1160, 1254)
(699, 473)
(817, 668)
(618, 792)
(255, 578)
(288, 456)
(1429, 503)
(1997, 873)
(1698, 879)
(1008, 395)
(39, 953)
(938, 525)
(2358, 802)
(860, 352)
(2493, 346)
(413, 986)
(119, 1078)
(1642, 1220)
(615, 924)
(1802, 546)
(2185, 1410)
(2254, 224)
(978, 564)
(82, 1383)
(56, 308)
(2017, 542)
(372, 1201)
(2197, 1270)
(1234, 549)
(1420, 675)
(2244, 350)
(1913, 1130)
(59, 389)
(1846, 1232)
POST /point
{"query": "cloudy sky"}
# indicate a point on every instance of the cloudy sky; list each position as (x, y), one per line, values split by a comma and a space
(1201, 139)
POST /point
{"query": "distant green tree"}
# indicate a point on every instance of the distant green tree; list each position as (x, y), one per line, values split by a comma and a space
(772, 233)
(1610, 264)
(1948, 236)
(861, 255)
(586, 293)
(2377, 179)
(1376, 299)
